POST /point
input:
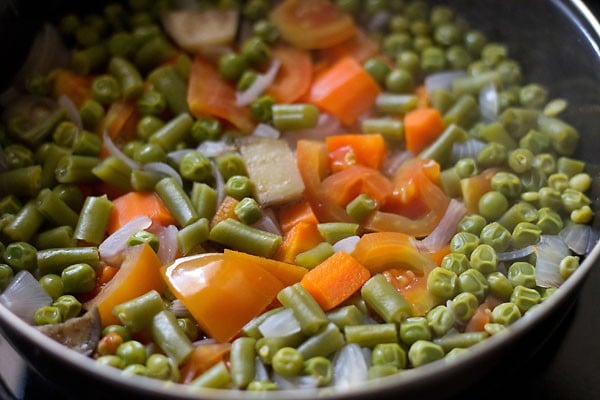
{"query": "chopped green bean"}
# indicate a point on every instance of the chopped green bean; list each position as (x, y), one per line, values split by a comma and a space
(234, 234)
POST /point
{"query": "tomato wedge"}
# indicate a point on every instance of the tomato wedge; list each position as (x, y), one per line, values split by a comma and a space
(312, 24)
(294, 76)
(342, 187)
(210, 94)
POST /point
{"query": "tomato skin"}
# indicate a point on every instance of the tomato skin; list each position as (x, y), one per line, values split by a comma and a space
(295, 74)
(312, 24)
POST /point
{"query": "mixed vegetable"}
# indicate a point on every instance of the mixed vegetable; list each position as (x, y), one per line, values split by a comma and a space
(273, 195)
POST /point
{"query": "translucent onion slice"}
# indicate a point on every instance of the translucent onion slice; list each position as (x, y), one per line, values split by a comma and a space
(488, 103)
(219, 183)
(515, 254)
(467, 149)
(112, 248)
(395, 160)
(24, 296)
(113, 150)
(442, 80)
(165, 169)
(168, 248)
(282, 323)
(268, 222)
(295, 382)
(550, 251)
(179, 309)
(260, 370)
(349, 367)
(577, 237)
(347, 245)
(444, 231)
(326, 125)
(177, 155)
(71, 108)
(267, 131)
(260, 84)
(213, 148)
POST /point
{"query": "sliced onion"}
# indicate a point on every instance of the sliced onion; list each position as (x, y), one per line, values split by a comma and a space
(177, 155)
(295, 382)
(444, 231)
(165, 169)
(267, 131)
(395, 160)
(260, 84)
(213, 148)
(112, 248)
(515, 254)
(488, 103)
(71, 108)
(467, 149)
(113, 150)
(550, 251)
(442, 80)
(168, 248)
(347, 245)
(260, 370)
(24, 296)
(349, 367)
(282, 323)
(268, 222)
(179, 309)
(577, 237)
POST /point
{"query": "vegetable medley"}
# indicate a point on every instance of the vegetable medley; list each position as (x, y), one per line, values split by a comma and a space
(273, 195)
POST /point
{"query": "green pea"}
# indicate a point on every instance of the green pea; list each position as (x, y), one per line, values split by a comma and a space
(262, 108)
(474, 41)
(266, 30)
(423, 352)
(246, 80)
(6, 276)
(53, 285)
(466, 167)
(394, 43)
(484, 259)
(464, 242)
(546, 163)
(492, 205)
(433, 59)
(525, 234)
(111, 360)
(377, 69)
(389, 354)
(135, 369)
(106, 89)
(120, 330)
(499, 285)
(78, 278)
(567, 266)
(506, 314)
(132, 352)
(455, 262)
(583, 215)
(464, 305)
(21, 256)
(441, 319)
(580, 182)
(474, 282)
(522, 273)
(549, 221)
(525, 298)
(149, 152)
(232, 66)
(492, 155)
(506, 183)
(572, 199)
(472, 223)
(206, 128)
(148, 125)
(458, 57)
(399, 81)
(495, 235)
(239, 186)
(320, 368)
(533, 180)
(535, 141)
(152, 102)
(68, 305)
(558, 181)
(196, 167)
(408, 60)
(491, 328)
(533, 95)
(441, 282)
(413, 329)
(47, 315)
(160, 367)
(256, 51)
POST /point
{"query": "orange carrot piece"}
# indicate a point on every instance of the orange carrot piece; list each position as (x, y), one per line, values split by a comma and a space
(367, 149)
(294, 76)
(134, 204)
(334, 280)
(203, 357)
(343, 186)
(226, 210)
(287, 273)
(107, 274)
(345, 90)
(292, 214)
(300, 238)
(139, 273)
(421, 127)
(76, 87)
